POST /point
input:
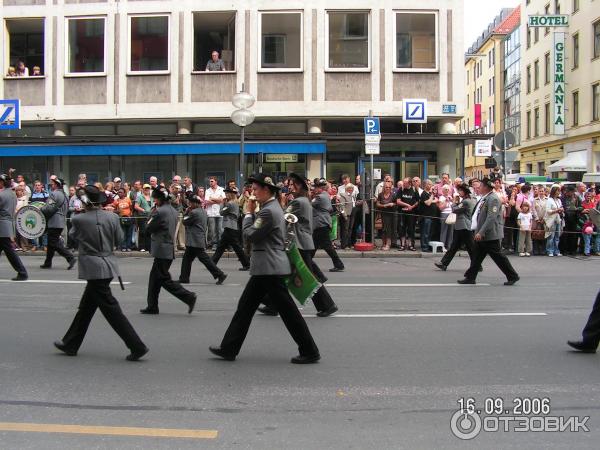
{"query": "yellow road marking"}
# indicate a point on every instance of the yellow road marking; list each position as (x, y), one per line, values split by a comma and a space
(108, 431)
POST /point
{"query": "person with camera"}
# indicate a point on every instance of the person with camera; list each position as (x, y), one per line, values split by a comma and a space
(55, 210)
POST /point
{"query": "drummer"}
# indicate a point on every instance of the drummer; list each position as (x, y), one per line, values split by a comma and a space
(301, 207)
(8, 203)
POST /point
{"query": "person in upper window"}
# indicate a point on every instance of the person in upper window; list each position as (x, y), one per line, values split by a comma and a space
(12, 72)
(37, 72)
(22, 71)
(215, 64)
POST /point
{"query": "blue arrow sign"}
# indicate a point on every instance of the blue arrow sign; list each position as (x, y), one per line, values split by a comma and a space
(372, 126)
(10, 117)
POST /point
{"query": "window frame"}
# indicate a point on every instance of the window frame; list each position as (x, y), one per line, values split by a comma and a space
(6, 33)
(193, 40)
(595, 106)
(395, 40)
(261, 69)
(547, 119)
(595, 49)
(369, 41)
(575, 108)
(130, 72)
(575, 55)
(536, 74)
(547, 68)
(67, 72)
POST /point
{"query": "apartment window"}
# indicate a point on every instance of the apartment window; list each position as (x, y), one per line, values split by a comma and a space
(416, 46)
(547, 13)
(468, 100)
(86, 45)
(547, 118)
(528, 37)
(528, 79)
(536, 122)
(575, 6)
(536, 35)
(467, 79)
(575, 108)
(214, 31)
(575, 51)
(149, 43)
(547, 68)
(490, 59)
(596, 28)
(556, 7)
(528, 168)
(25, 40)
(596, 102)
(490, 87)
(541, 168)
(348, 47)
(528, 125)
(281, 40)
(536, 74)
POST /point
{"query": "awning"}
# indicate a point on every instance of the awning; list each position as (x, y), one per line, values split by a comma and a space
(573, 162)
(196, 148)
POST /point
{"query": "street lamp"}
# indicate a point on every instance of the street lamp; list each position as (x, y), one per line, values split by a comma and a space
(242, 117)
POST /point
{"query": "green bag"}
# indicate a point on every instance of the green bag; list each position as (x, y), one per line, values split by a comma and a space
(301, 283)
(334, 228)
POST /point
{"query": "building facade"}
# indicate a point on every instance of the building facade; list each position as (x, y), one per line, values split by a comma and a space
(123, 87)
(561, 143)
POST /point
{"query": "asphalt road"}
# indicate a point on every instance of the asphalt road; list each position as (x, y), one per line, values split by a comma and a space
(396, 360)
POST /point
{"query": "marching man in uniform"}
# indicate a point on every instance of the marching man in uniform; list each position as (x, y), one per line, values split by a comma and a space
(56, 208)
(322, 210)
(162, 224)
(8, 203)
(269, 265)
(98, 233)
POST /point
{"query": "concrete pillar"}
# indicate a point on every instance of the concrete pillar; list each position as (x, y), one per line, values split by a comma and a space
(184, 127)
(315, 126)
(61, 129)
(446, 159)
(447, 126)
(315, 164)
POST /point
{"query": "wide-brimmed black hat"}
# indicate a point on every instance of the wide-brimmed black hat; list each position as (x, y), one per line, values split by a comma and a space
(59, 181)
(160, 193)
(319, 182)
(5, 179)
(92, 194)
(489, 182)
(229, 190)
(195, 199)
(264, 180)
(298, 179)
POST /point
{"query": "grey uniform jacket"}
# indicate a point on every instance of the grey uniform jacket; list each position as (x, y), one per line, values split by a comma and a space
(302, 209)
(230, 213)
(58, 219)
(322, 210)
(8, 204)
(266, 231)
(463, 211)
(162, 224)
(195, 228)
(97, 232)
(489, 221)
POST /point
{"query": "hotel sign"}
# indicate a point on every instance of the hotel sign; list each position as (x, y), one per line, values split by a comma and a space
(548, 21)
(559, 83)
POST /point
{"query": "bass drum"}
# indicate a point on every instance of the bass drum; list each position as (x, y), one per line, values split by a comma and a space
(30, 222)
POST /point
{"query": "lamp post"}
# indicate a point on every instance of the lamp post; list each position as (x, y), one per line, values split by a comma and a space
(242, 117)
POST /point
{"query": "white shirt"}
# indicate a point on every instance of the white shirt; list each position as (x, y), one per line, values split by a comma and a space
(214, 209)
(476, 212)
(525, 221)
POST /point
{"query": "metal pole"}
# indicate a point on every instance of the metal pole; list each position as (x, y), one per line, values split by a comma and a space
(372, 203)
(503, 152)
(364, 211)
(241, 173)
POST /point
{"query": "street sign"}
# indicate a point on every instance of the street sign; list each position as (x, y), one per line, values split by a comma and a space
(555, 20)
(371, 149)
(448, 109)
(10, 114)
(414, 110)
(500, 138)
(483, 148)
(372, 130)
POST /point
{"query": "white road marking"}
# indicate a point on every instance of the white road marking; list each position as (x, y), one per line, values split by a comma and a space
(208, 284)
(57, 282)
(377, 316)
(402, 284)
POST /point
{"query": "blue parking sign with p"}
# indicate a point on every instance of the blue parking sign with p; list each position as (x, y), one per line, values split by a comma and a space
(372, 126)
(10, 117)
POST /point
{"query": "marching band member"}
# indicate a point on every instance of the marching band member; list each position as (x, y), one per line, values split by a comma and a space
(8, 204)
(162, 224)
(269, 265)
(98, 233)
(230, 236)
(322, 210)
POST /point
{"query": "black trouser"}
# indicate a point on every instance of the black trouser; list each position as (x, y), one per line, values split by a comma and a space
(230, 237)
(55, 244)
(591, 332)
(97, 294)
(407, 229)
(144, 238)
(322, 240)
(571, 238)
(344, 230)
(188, 258)
(460, 237)
(256, 288)
(160, 277)
(493, 248)
(14, 260)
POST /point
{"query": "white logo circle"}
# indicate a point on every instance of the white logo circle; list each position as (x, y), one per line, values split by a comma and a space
(465, 426)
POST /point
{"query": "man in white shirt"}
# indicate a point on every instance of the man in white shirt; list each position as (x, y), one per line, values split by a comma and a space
(214, 198)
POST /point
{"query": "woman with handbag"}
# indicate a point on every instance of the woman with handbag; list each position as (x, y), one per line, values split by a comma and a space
(386, 207)
(463, 209)
(445, 207)
(553, 221)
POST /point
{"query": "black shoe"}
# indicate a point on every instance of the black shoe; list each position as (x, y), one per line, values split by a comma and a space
(63, 348)
(184, 281)
(267, 311)
(582, 346)
(219, 352)
(480, 269)
(192, 303)
(465, 281)
(244, 269)
(135, 355)
(328, 312)
(149, 311)
(511, 282)
(72, 262)
(336, 269)
(221, 278)
(20, 277)
(301, 359)
(45, 266)
(440, 266)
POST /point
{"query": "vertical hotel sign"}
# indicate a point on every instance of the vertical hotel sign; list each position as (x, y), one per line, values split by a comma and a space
(559, 82)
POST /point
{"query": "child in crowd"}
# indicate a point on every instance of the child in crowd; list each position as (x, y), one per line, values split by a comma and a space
(524, 219)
